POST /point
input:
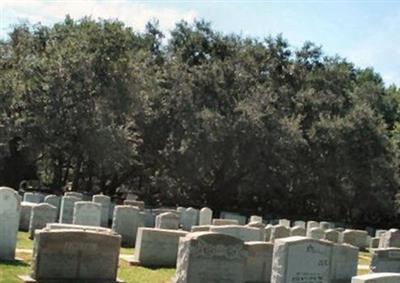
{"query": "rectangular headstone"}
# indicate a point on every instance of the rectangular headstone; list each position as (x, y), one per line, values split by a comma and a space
(258, 263)
(87, 213)
(385, 260)
(377, 278)
(243, 233)
(126, 223)
(41, 215)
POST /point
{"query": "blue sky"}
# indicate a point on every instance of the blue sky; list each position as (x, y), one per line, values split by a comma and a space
(365, 32)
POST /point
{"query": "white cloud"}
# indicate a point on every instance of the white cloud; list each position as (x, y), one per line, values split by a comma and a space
(132, 14)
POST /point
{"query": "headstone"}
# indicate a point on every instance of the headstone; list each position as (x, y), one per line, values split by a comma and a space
(357, 238)
(54, 201)
(25, 215)
(105, 202)
(41, 215)
(300, 259)
(148, 218)
(181, 211)
(297, 231)
(300, 223)
(33, 197)
(167, 220)
(385, 260)
(137, 203)
(380, 232)
(241, 232)
(377, 278)
(255, 218)
(259, 225)
(312, 224)
(77, 195)
(374, 243)
(87, 213)
(332, 235)
(63, 226)
(157, 247)
(390, 239)
(284, 222)
(190, 218)
(67, 209)
(324, 225)
(111, 212)
(9, 221)
(210, 257)
(235, 216)
(316, 233)
(344, 263)
(75, 256)
(205, 216)
(220, 222)
(279, 231)
(201, 228)
(268, 232)
(258, 262)
(126, 223)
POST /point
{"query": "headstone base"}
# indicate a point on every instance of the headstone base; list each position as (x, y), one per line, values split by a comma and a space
(29, 279)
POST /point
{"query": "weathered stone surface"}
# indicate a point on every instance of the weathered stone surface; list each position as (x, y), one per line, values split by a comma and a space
(279, 231)
(258, 262)
(157, 247)
(54, 201)
(385, 260)
(235, 216)
(344, 263)
(258, 225)
(357, 238)
(268, 232)
(210, 257)
(205, 216)
(126, 223)
(297, 231)
(201, 228)
(167, 220)
(190, 217)
(34, 197)
(25, 215)
(390, 239)
(325, 225)
(137, 203)
(243, 233)
(64, 226)
(316, 233)
(105, 202)
(41, 215)
(284, 222)
(380, 232)
(300, 259)
(148, 218)
(87, 213)
(77, 195)
(374, 243)
(75, 255)
(9, 221)
(300, 223)
(312, 224)
(255, 219)
(220, 222)
(67, 209)
(377, 278)
(332, 235)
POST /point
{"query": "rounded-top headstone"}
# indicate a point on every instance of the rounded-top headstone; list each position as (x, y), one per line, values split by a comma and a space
(205, 217)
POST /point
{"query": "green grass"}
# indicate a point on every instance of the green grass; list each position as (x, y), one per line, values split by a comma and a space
(23, 241)
(10, 270)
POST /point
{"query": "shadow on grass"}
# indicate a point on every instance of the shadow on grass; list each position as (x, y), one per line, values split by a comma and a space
(16, 262)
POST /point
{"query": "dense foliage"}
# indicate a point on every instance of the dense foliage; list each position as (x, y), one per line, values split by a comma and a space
(199, 118)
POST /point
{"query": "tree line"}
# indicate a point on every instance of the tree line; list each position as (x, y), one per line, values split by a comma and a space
(199, 118)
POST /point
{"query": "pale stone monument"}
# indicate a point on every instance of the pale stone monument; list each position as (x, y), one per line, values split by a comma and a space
(167, 220)
(67, 209)
(279, 231)
(235, 216)
(324, 225)
(54, 201)
(284, 222)
(316, 233)
(41, 215)
(126, 223)
(33, 197)
(258, 262)
(205, 216)
(332, 235)
(105, 202)
(137, 203)
(243, 233)
(344, 263)
(210, 257)
(25, 215)
(297, 231)
(300, 223)
(75, 256)
(156, 247)
(9, 221)
(390, 239)
(312, 224)
(357, 238)
(255, 219)
(374, 243)
(300, 259)
(87, 213)
(377, 278)
(220, 222)
(190, 218)
(385, 260)
(77, 195)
